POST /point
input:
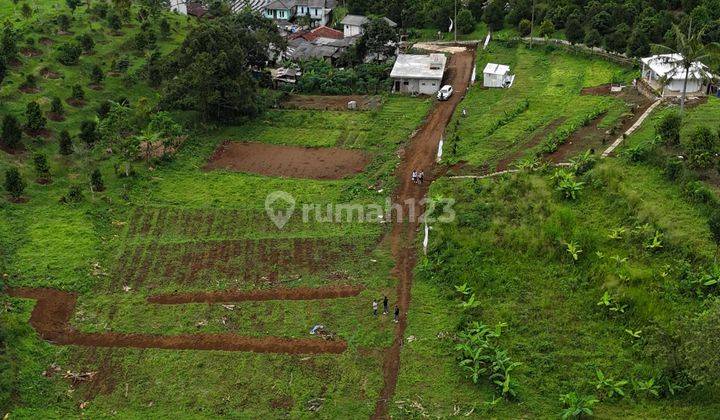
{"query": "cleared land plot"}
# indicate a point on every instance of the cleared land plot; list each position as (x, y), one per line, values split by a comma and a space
(248, 261)
(500, 123)
(337, 103)
(288, 161)
(54, 309)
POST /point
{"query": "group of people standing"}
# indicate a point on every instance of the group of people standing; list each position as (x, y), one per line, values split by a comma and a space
(385, 308)
(417, 176)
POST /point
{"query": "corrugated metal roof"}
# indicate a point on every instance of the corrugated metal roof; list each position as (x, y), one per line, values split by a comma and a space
(411, 66)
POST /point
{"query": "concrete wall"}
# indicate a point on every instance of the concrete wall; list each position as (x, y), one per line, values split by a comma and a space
(422, 86)
(352, 30)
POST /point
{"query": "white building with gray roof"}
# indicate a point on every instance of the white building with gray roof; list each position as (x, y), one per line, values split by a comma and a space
(421, 74)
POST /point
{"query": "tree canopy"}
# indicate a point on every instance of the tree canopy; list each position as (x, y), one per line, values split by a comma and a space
(218, 59)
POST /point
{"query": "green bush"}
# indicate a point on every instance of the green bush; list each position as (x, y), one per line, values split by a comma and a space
(14, 183)
(465, 21)
(69, 53)
(702, 148)
(669, 128)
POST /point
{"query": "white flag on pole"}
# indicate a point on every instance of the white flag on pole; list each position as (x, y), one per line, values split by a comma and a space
(451, 25)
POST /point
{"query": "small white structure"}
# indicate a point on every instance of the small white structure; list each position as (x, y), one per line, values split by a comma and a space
(421, 74)
(497, 76)
(179, 6)
(666, 74)
(353, 25)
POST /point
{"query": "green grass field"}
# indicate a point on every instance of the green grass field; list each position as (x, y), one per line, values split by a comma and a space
(497, 124)
(176, 227)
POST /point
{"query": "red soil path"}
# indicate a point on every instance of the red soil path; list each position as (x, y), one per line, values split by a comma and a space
(288, 161)
(292, 293)
(420, 154)
(54, 308)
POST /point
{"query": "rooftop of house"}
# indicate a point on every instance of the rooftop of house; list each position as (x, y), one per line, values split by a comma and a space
(411, 66)
(670, 66)
(289, 4)
(492, 68)
(358, 20)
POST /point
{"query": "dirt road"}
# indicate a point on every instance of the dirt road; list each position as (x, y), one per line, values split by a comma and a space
(421, 155)
(54, 308)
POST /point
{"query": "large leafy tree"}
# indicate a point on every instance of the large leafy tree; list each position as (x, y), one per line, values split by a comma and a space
(690, 48)
(379, 39)
(218, 59)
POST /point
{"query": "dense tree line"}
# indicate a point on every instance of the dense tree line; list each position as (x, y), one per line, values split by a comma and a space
(630, 26)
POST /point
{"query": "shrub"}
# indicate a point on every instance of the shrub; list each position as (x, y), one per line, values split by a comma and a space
(96, 181)
(88, 132)
(74, 195)
(674, 169)
(698, 192)
(41, 166)
(14, 183)
(87, 42)
(546, 28)
(63, 22)
(65, 143)
(702, 146)
(524, 27)
(714, 225)
(465, 21)
(35, 119)
(669, 128)
(97, 75)
(113, 21)
(11, 132)
(78, 93)
(164, 27)
(56, 106)
(69, 53)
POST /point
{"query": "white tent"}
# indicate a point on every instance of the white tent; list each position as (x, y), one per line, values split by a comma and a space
(497, 75)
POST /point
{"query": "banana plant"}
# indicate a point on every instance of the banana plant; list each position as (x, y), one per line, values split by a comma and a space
(645, 388)
(606, 300)
(617, 233)
(469, 304)
(463, 289)
(576, 406)
(634, 334)
(609, 386)
(573, 249)
(619, 260)
(656, 242)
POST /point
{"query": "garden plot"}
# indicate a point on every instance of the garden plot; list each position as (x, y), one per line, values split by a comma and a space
(336, 103)
(288, 161)
(246, 262)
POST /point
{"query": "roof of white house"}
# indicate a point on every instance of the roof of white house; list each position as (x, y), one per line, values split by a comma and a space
(493, 68)
(358, 20)
(410, 66)
(670, 66)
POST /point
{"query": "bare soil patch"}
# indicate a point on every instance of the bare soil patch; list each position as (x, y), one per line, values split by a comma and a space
(592, 137)
(95, 86)
(29, 89)
(52, 312)
(534, 141)
(77, 103)
(44, 133)
(288, 161)
(336, 103)
(46, 41)
(30, 52)
(49, 74)
(294, 293)
(55, 117)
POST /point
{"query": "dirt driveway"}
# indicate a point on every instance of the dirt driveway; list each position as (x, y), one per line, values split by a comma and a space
(420, 155)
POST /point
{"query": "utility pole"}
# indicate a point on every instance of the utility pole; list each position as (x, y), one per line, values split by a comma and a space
(455, 22)
(532, 23)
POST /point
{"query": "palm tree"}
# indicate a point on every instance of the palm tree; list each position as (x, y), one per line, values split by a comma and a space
(688, 50)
